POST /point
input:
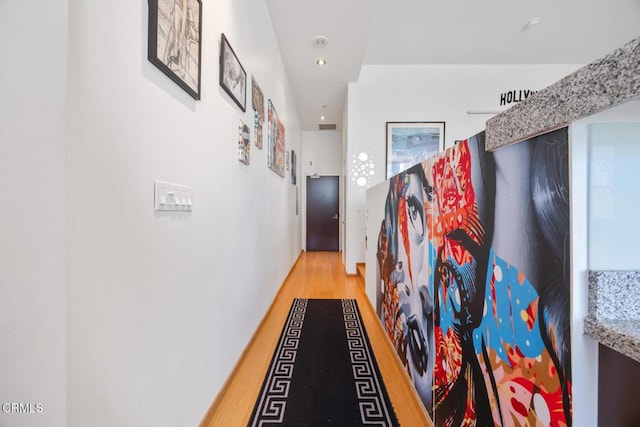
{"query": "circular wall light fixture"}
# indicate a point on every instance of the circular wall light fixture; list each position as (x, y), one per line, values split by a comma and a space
(362, 169)
(321, 62)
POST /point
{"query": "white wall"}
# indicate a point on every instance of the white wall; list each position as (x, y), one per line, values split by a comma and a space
(584, 351)
(33, 48)
(424, 93)
(160, 307)
(321, 154)
(376, 199)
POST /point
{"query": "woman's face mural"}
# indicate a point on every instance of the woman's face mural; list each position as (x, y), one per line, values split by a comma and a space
(475, 335)
(409, 300)
(414, 300)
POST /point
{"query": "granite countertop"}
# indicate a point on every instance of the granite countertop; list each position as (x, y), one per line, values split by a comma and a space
(607, 82)
(614, 311)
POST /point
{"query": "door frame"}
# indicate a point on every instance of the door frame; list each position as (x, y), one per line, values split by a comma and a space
(303, 210)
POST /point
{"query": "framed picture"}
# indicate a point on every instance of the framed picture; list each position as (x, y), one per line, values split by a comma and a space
(233, 78)
(244, 146)
(409, 143)
(275, 141)
(257, 97)
(257, 100)
(175, 40)
(294, 163)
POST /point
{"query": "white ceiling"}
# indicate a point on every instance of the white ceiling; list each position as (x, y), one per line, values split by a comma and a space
(371, 32)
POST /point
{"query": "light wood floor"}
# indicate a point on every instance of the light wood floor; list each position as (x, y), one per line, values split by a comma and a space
(315, 275)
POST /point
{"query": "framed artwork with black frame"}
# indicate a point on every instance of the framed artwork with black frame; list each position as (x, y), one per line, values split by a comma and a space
(175, 41)
(409, 143)
(233, 78)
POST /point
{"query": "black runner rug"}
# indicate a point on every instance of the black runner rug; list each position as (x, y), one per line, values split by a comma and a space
(323, 371)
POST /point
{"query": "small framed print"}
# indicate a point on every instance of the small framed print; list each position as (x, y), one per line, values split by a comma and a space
(409, 143)
(233, 78)
(294, 165)
(244, 145)
(257, 99)
(275, 141)
(175, 40)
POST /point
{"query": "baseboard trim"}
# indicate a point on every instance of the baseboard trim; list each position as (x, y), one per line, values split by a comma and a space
(357, 273)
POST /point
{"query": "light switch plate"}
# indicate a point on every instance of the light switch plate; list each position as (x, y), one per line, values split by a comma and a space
(170, 197)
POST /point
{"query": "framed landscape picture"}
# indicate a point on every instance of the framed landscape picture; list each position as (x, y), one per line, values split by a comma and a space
(409, 143)
(233, 78)
(175, 40)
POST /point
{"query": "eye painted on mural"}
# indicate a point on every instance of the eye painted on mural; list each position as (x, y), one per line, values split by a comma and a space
(428, 190)
(416, 216)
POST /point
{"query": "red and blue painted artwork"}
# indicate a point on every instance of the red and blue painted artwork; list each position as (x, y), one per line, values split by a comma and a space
(474, 282)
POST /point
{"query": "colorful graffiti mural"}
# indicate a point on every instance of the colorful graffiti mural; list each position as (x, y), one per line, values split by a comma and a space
(474, 282)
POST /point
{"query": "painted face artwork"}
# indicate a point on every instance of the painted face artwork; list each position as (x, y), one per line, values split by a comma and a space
(408, 300)
(414, 300)
(477, 338)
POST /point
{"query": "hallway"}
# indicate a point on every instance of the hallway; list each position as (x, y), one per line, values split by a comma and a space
(315, 275)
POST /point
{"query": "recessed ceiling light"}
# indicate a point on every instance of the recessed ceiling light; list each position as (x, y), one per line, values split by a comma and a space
(324, 106)
(321, 117)
(320, 41)
(321, 62)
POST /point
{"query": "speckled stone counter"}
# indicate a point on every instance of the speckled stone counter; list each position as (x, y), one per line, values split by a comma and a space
(614, 311)
(605, 83)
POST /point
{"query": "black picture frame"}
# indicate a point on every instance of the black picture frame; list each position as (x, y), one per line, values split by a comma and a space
(233, 77)
(177, 53)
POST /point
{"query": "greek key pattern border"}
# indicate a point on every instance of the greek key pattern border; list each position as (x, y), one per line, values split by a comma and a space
(273, 397)
(373, 408)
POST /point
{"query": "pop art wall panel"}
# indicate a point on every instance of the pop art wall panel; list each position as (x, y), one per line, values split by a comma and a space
(473, 260)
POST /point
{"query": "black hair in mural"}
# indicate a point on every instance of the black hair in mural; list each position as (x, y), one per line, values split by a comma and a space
(550, 190)
(550, 200)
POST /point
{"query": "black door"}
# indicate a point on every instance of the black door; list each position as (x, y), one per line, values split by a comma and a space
(322, 213)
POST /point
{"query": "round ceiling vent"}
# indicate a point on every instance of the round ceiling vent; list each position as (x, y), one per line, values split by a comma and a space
(320, 41)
